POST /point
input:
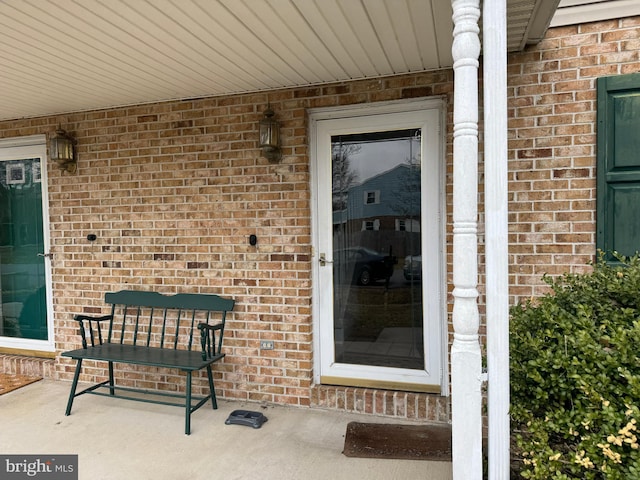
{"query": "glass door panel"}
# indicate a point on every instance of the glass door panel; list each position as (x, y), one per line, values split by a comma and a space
(376, 226)
(24, 319)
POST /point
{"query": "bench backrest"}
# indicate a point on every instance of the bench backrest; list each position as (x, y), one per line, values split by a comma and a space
(165, 321)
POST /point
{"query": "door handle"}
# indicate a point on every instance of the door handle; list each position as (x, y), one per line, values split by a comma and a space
(323, 261)
(48, 255)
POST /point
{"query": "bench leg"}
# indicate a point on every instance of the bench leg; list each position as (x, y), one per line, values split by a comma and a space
(187, 420)
(214, 403)
(111, 389)
(74, 385)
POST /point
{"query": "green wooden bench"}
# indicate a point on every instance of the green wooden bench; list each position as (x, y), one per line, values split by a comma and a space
(182, 331)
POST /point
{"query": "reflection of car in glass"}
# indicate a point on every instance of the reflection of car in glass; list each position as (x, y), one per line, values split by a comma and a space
(367, 265)
(412, 269)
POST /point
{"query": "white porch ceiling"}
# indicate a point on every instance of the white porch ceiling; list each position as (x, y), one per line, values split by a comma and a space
(60, 56)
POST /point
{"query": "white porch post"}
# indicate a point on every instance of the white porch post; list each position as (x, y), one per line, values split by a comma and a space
(494, 34)
(466, 366)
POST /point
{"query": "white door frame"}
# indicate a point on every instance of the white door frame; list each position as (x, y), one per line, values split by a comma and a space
(436, 379)
(34, 146)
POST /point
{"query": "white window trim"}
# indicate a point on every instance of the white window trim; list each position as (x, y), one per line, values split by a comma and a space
(376, 197)
(375, 225)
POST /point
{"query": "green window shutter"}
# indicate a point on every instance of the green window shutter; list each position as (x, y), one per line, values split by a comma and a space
(618, 168)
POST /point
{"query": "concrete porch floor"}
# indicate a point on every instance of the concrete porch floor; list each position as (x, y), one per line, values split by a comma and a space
(121, 440)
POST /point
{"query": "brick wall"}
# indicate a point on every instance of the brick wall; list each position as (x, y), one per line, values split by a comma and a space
(173, 191)
(552, 146)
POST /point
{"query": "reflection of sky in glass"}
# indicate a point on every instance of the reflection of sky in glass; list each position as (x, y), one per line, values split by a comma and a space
(379, 157)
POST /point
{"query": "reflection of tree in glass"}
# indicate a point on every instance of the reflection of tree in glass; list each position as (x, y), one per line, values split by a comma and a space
(343, 178)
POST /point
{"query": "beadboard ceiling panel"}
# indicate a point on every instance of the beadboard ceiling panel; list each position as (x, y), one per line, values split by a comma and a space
(60, 56)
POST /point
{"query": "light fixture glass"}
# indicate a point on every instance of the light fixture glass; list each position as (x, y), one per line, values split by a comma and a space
(62, 150)
(270, 136)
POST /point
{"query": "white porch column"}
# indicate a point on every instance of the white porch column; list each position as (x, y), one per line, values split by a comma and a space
(465, 352)
(494, 35)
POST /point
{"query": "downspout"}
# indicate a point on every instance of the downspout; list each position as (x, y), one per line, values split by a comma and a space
(466, 369)
(494, 35)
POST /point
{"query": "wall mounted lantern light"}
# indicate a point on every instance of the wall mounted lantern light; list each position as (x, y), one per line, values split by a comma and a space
(62, 150)
(270, 136)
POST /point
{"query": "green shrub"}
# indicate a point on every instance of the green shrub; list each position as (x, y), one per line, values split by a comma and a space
(575, 376)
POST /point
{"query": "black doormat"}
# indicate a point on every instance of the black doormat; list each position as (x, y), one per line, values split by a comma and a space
(411, 442)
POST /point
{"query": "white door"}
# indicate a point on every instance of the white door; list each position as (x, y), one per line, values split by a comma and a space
(379, 208)
(25, 267)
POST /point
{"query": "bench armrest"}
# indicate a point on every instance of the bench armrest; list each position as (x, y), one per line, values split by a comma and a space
(81, 319)
(210, 347)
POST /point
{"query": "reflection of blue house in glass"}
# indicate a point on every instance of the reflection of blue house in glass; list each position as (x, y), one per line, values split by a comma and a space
(381, 213)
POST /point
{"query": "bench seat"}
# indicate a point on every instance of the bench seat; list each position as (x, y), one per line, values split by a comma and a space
(141, 355)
